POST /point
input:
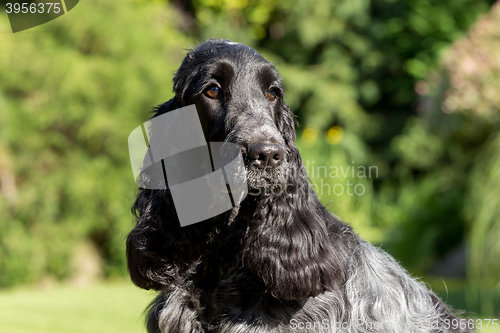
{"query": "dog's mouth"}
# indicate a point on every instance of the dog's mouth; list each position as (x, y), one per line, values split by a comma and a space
(267, 181)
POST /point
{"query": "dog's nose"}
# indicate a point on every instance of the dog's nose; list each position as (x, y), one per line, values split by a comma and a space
(266, 155)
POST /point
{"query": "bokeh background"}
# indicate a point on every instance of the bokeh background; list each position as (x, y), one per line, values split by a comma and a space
(409, 88)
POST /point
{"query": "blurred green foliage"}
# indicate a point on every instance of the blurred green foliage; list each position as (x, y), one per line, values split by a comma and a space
(473, 68)
(387, 86)
(70, 93)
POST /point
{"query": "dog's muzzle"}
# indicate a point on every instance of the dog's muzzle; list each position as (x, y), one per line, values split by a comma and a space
(266, 168)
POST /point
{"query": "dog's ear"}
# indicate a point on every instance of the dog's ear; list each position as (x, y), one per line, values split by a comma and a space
(170, 105)
(159, 251)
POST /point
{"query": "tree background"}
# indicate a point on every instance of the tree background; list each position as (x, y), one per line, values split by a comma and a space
(409, 87)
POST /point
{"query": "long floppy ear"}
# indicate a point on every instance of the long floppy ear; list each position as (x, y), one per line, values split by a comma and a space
(159, 251)
(287, 244)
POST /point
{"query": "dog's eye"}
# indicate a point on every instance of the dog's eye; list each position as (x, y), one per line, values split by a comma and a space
(212, 92)
(271, 94)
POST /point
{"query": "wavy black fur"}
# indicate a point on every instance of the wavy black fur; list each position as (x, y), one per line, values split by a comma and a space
(279, 260)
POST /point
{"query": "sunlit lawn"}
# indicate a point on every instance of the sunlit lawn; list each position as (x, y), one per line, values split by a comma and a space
(103, 308)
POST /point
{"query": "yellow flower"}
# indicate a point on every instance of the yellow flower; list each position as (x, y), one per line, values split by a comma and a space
(310, 134)
(334, 135)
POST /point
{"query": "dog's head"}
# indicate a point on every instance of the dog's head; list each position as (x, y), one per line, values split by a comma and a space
(239, 98)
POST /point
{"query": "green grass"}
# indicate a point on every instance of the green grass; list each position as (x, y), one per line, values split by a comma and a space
(102, 308)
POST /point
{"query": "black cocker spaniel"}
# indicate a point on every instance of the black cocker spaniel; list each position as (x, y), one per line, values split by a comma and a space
(279, 261)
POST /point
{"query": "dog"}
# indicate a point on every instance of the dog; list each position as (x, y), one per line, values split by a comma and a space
(278, 261)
